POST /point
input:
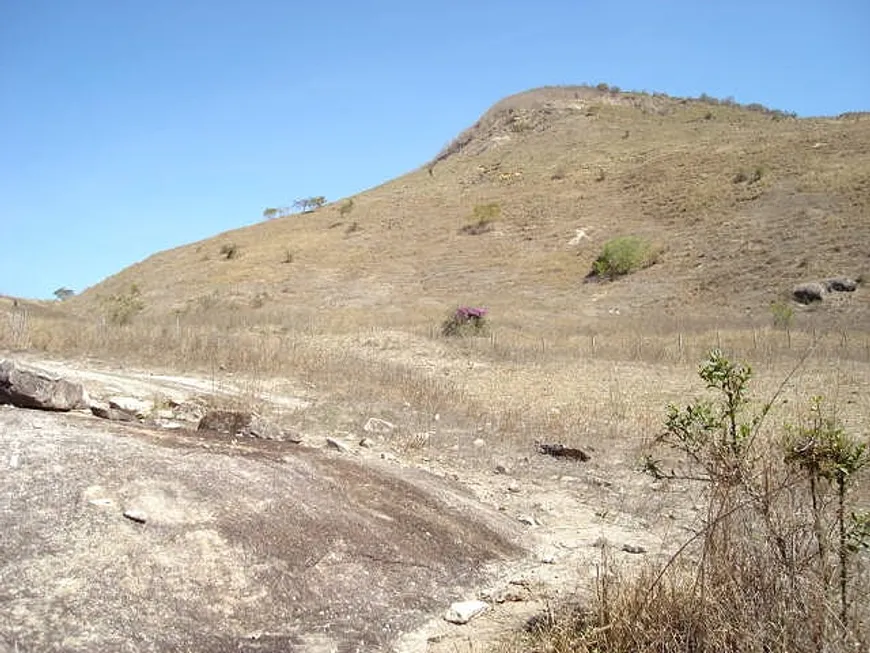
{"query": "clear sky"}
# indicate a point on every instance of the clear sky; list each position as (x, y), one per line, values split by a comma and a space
(132, 126)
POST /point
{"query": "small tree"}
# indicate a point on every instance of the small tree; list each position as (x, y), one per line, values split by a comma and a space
(308, 204)
(63, 293)
(270, 213)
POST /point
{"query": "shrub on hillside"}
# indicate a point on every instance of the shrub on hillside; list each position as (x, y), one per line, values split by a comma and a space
(229, 251)
(121, 308)
(484, 216)
(465, 321)
(623, 255)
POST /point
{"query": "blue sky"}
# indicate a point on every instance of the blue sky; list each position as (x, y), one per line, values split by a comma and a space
(132, 126)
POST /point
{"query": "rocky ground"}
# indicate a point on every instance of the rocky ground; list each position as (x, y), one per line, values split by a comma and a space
(125, 528)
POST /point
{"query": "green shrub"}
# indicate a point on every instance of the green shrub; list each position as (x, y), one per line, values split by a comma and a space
(624, 255)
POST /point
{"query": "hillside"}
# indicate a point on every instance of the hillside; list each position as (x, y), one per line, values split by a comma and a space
(745, 202)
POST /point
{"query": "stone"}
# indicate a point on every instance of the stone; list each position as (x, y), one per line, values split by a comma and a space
(807, 293)
(138, 407)
(479, 443)
(136, 515)
(366, 443)
(513, 486)
(462, 612)
(31, 387)
(338, 445)
(378, 425)
(241, 423)
(110, 413)
(561, 451)
(633, 548)
(841, 284)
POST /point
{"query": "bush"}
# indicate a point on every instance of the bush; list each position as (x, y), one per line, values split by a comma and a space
(466, 321)
(229, 251)
(121, 308)
(782, 313)
(484, 216)
(624, 255)
(773, 564)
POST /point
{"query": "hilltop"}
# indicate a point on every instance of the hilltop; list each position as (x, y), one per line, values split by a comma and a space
(744, 202)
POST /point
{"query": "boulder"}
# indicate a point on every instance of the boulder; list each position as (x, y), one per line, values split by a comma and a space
(31, 387)
(139, 407)
(840, 284)
(242, 423)
(807, 293)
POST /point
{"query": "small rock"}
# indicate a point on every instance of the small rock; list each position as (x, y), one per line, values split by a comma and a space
(14, 460)
(807, 293)
(366, 443)
(479, 442)
(528, 520)
(241, 423)
(378, 425)
(513, 486)
(389, 457)
(136, 515)
(110, 413)
(102, 503)
(632, 548)
(337, 445)
(547, 557)
(561, 451)
(840, 284)
(513, 593)
(138, 407)
(462, 612)
(501, 469)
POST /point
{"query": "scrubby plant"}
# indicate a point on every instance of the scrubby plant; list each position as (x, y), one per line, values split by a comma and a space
(466, 321)
(121, 308)
(229, 251)
(63, 293)
(623, 255)
(783, 314)
(484, 216)
(773, 564)
(345, 209)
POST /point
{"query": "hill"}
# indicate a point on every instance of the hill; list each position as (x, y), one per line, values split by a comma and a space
(744, 202)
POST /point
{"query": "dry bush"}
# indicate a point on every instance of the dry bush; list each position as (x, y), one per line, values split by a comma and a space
(780, 562)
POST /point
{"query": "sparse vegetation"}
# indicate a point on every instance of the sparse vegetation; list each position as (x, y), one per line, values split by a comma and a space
(345, 209)
(782, 313)
(624, 255)
(484, 216)
(773, 564)
(63, 293)
(121, 308)
(466, 321)
(229, 251)
(309, 204)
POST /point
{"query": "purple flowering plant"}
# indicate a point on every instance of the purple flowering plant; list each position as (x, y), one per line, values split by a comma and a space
(465, 320)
